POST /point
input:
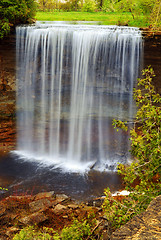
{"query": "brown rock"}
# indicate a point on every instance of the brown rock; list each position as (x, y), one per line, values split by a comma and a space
(12, 230)
(96, 202)
(59, 209)
(62, 198)
(2, 209)
(73, 206)
(34, 218)
(45, 195)
(146, 225)
(40, 205)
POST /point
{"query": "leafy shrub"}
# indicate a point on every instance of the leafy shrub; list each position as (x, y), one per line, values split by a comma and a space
(142, 177)
(145, 136)
(89, 6)
(109, 6)
(14, 12)
(155, 18)
(145, 6)
(29, 233)
(77, 231)
(3, 189)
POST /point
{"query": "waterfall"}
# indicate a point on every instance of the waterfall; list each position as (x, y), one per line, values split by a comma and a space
(72, 80)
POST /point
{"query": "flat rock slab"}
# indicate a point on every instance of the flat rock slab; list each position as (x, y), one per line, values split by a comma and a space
(40, 205)
(145, 226)
(34, 218)
(59, 209)
(45, 195)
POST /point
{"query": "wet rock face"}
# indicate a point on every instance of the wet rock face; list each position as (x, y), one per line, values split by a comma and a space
(8, 63)
(147, 225)
(152, 55)
(7, 94)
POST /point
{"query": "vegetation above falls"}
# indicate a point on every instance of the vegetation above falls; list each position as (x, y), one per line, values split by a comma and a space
(13, 12)
(139, 13)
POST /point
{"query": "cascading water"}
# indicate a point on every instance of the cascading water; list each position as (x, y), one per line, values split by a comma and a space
(72, 81)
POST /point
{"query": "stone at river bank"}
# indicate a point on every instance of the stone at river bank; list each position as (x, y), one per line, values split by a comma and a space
(58, 210)
(46, 210)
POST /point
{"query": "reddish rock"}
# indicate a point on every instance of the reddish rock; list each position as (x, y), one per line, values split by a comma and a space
(62, 198)
(45, 195)
(34, 218)
(40, 205)
(59, 209)
(73, 206)
(12, 230)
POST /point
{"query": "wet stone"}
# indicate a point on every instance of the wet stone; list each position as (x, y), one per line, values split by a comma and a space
(96, 202)
(12, 230)
(40, 205)
(73, 206)
(59, 209)
(62, 198)
(34, 218)
(45, 195)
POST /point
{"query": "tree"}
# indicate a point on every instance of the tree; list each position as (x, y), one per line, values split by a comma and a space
(156, 15)
(142, 178)
(13, 12)
(89, 5)
(145, 137)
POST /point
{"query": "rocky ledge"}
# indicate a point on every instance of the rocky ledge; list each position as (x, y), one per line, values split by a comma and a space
(146, 226)
(52, 210)
(47, 209)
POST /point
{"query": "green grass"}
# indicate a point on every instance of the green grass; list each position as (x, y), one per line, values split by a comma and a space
(100, 17)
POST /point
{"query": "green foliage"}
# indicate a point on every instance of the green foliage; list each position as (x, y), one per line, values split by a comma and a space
(135, 7)
(146, 134)
(142, 177)
(3, 189)
(117, 212)
(109, 6)
(13, 12)
(77, 231)
(145, 6)
(119, 124)
(155, 18)
(30, 233)
(55, 5)
(132, 12)
(4, 28)
(89, 5)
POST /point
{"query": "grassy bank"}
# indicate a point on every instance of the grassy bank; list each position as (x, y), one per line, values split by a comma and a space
(100, 17)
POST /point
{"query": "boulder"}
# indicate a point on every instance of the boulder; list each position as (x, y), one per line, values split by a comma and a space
(40, 205)
(45, 195)
(34, 218)
(11, 230)
(59, 209)
(62, 198)
(73, 206)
